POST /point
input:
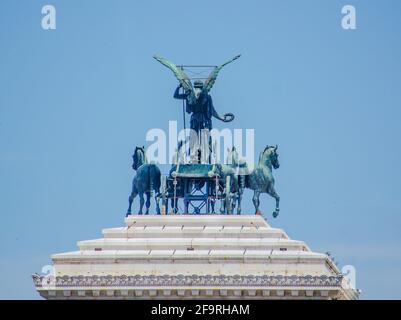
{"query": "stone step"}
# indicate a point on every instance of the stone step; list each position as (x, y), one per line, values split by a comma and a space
(209, 249)
(192, 243)
(195, 255)
(194, 220)
(185, 231)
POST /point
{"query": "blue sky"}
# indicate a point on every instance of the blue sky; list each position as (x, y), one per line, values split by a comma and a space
(75, 101)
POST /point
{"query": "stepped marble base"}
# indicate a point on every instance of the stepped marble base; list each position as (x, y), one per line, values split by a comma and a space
(193, 257)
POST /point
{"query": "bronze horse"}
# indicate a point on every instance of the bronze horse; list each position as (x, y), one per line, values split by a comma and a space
(146, 180)
(261, 179)
(231, 181)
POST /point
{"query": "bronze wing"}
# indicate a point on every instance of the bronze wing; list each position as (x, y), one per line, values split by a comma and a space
(213, 75)
(178, 72)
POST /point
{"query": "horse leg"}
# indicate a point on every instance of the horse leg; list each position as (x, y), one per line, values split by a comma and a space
(228, 195)
(256, 201)
(241, 186)
(166, 204)
(239, 202)
(174, 204)
(148, 196)
(131, 198)
(157, 199)
(212, 204)
(141, 202)
(231, 203)
(222, 205)
(274, 194)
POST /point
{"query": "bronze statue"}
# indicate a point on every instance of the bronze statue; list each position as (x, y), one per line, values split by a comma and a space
(198, 100)
(225, 181)
(261, 179)
(146, 181)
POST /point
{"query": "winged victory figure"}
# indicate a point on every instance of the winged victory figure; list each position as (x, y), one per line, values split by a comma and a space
(198, 100)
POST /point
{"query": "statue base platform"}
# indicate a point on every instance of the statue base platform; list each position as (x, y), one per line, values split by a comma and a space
(193, 257)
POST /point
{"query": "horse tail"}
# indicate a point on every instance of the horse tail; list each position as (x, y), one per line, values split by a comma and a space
(242, 182)
(150, 179)
(246, 181)
(157, 179)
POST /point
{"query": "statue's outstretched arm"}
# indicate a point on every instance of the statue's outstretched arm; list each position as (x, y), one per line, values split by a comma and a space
(227, 117)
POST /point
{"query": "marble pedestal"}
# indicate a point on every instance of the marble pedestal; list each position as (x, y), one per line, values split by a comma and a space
(193, 257)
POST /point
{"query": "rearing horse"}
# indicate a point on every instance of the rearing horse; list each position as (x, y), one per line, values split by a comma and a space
(261, 179)
(146, 180)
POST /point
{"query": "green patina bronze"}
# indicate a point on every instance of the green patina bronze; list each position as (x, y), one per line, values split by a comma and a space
(198, 100)
(225, 182)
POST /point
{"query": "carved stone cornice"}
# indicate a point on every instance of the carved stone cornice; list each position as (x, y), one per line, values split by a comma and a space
(110, 281)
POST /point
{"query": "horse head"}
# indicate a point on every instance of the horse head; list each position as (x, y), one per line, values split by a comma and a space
(138, 157)
(269, 156)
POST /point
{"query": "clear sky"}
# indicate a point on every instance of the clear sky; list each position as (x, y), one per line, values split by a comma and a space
(75, 101)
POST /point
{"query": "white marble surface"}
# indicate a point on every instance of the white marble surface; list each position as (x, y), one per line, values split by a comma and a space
(189, 245)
